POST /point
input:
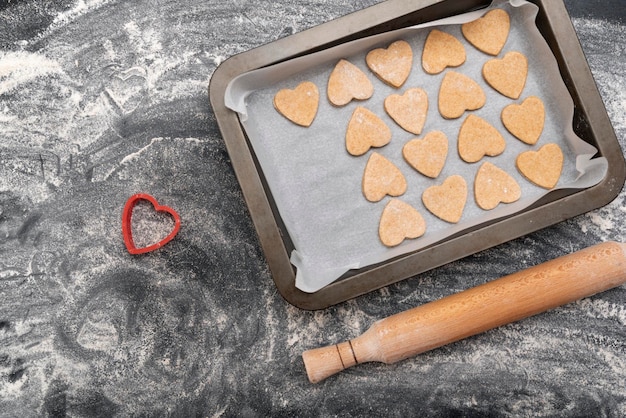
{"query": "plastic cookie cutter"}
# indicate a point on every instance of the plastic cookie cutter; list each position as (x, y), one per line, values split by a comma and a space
(127, 229)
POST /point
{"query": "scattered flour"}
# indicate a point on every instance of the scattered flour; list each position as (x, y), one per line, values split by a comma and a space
(605, 46)
(609, 70)
(599, 308)
(17, 68)
(82, 7)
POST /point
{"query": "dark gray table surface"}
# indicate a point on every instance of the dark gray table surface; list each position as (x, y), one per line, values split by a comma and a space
(100, 99)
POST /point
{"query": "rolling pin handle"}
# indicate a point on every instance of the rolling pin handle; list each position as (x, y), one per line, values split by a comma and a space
(323, 362)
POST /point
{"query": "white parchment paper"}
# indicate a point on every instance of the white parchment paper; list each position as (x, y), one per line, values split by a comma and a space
(317, 185)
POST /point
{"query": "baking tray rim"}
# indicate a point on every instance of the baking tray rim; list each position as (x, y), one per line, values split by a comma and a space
(553, 21)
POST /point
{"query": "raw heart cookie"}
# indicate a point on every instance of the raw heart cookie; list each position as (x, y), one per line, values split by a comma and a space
(478, 138)
(441, 50)
(298, 105)
(490, 32)
(348, 82)
(391, 65)
(493, 186)
(400, 221)
(408, 110)
(366, 130)
(542, 167)
(459, 93)
(507, 75)
(428, 155)
(381, 177)
(525, 121)
(448, 200)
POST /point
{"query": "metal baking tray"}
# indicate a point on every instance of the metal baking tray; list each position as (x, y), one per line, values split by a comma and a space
(591, 123)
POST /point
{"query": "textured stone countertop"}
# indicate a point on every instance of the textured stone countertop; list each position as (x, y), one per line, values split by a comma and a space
(100, 99)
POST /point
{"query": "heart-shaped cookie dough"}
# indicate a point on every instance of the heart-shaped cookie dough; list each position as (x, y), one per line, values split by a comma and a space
(441, 50)
(525, 121)
(493, 186)
(427, 155)
(393, 64)
(300, 104)
(366, 130)
(408, 110)
(459, 93)
(542, 167)
(381, 177)
(478, 138)
(400, 221)
(507, 75)
(447, 201)
(489, 32)
(346, 83)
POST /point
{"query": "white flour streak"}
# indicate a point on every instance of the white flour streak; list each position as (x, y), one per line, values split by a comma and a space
(136, 155)
(603, 222)
(17, 68)
(80, 9)
(604, 309)
(195, 141)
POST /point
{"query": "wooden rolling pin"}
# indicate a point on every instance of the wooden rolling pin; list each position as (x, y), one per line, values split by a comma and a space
(490, 305)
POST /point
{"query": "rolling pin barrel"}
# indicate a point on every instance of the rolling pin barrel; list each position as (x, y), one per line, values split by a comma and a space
(490, 305)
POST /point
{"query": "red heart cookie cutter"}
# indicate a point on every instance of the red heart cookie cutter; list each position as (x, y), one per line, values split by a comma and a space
(126, 223)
